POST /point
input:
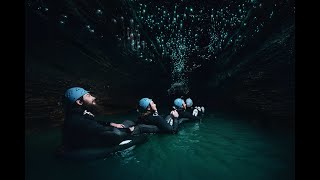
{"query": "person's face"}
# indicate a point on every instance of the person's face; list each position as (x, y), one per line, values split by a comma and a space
(153, 106)
(184, 105)
(88, 99)
(89, 102)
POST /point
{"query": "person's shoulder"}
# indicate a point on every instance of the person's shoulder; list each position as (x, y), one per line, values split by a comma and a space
(76, 111)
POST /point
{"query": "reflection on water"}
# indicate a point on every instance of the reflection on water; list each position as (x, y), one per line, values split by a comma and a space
(215, 148)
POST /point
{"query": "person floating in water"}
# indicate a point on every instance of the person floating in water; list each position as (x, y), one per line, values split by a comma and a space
(184, 114)
(81, 129)
(196, 111)
(148, 114)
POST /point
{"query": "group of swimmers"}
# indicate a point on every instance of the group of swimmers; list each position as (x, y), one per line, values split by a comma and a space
(82, 130)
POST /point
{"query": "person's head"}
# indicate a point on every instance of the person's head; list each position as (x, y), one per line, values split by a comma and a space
(79, 97)
(146, 104)
(189, 102)
(179, 103)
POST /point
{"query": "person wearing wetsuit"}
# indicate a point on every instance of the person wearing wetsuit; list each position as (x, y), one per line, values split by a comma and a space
(148, 114)
(184, 115)
(196, 111)
(82, 130)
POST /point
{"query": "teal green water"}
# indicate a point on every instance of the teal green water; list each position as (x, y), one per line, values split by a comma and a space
(216, 148)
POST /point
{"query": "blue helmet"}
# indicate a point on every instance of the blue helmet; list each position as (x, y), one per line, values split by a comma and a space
(144, 103)
(74, 94)
(178, 102)
(189, 102)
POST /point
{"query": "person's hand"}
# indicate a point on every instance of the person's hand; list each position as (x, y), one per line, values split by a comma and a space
(195, 112)
(197, 108)
(153, 106)
(131, 128)
(202, 109)
(117, 125)
(174, 113)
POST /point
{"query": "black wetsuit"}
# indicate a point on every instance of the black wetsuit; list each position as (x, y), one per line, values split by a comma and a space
(81, 130)
(158, 121)
(187, 116)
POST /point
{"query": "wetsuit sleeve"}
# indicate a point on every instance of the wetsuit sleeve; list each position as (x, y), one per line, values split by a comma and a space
(145, 128)
(139, 120)
(104, 123)
(105, 132)
(161, 123)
